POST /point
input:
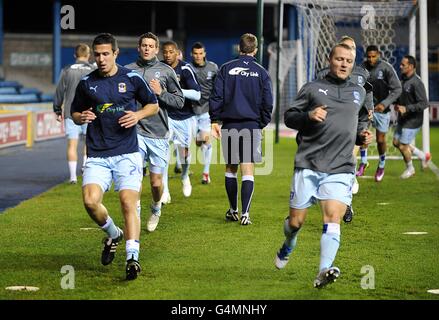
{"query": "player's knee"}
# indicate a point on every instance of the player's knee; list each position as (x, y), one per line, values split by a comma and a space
(381, 138)
(291, 226)
(156, 182)
(396, 143)
(295, 222)
(127, 205)
(91, 202)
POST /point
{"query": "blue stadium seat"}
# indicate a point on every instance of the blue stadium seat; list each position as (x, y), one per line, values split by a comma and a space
(28, 90)
(13, 84)
(8, 90)
(19, 98)
(46, 97)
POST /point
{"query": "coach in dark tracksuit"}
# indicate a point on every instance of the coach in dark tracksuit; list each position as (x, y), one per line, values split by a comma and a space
(327, 115)
(410, 107)
(242, 100)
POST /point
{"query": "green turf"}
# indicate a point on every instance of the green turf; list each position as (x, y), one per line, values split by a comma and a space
(195, 254)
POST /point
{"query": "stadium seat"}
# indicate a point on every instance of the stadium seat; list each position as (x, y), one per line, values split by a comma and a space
(46, 97)
(13, 84)
(29, 90)
(19, 98)
(8, 90)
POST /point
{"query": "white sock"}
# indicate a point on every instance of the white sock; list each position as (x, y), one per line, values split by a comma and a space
(132, 249)
(72, 169)
(110, 228)
(207, 155)
(420, 154)
(409, 165)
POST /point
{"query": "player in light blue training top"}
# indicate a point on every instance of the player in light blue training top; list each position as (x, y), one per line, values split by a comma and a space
(106, 100)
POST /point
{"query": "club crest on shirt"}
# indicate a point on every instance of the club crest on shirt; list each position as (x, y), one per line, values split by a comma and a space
(209, 75)
(122, 87)
(380, 75)
(357, 97)
(157, 74)
(360, 80)
(408, 88)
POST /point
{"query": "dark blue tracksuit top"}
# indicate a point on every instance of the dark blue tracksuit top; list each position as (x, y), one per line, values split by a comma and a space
(242, 94)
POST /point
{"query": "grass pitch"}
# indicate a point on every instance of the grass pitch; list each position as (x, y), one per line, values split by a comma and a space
(195, 254)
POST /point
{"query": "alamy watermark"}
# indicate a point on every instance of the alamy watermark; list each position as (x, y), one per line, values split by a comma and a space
(229, 145)
(368, 19)
(368, 280)
(68, 20)
(68, 281)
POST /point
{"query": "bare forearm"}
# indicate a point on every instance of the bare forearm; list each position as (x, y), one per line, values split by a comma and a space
(147, 111)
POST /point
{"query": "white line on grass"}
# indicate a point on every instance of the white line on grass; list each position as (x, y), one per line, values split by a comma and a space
(433, 291)
(434, 168)
(416, 232)
(22, 288)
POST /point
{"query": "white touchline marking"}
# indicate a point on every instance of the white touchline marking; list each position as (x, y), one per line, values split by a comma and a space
(86, 229)
(383, 203)
(415, 232)
(22, 288)
(433, 291)
(434, 168)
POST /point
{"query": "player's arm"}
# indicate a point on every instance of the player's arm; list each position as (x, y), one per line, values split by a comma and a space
(79, 111)
(147, 99)
(421, 98)
(395, 88)
(364, 135)
(193, 91)
(173, 95)
(58, 98)
(267, 102)
(298, 116)
(216, 103)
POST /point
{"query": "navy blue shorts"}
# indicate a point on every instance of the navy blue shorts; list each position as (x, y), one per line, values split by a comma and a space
(241, 145)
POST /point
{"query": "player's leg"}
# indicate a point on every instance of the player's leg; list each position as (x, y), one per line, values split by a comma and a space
(348, 216)
(329, 242)
(127, 175)
(96, 180)
(185, 157)
(177, 168)
(231, 185)
(382, 126)
(247, 189)
(303, 189)
(166, 196)
(403, 139)
(158, 160)
(231, 159)
(423, 157)
(203, 140)
(364, 164)
(249, 142)
(185, 136)
(335, 195)
(72, 158)
(84, 150)
(72, 132)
